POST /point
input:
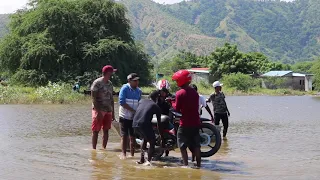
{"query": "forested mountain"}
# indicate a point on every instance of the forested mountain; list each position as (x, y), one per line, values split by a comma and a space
(286, 31)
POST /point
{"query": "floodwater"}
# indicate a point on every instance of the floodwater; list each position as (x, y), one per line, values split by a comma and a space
(269, 138)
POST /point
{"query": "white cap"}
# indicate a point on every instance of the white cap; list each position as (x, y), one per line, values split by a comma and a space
(216, 84)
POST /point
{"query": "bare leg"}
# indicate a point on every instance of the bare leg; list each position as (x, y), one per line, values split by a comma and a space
(192, 154)
(132, 143)
(143, 148)
(95, 139)
(167, 153)
(124, 140)
(197, 153)
(105, 138)
(184, 155)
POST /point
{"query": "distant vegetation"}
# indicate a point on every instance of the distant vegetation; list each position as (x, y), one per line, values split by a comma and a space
(59, 40)
(284, 31)
(62, 40)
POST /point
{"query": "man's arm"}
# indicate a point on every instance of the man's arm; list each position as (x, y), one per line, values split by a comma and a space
(209, 111)
(122, 100)
(94, 95)
(210, 98)
(112, 104)
(158, 114)
(226, 104)
(177, 104)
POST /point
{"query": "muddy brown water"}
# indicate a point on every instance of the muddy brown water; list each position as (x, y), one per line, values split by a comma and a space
(269, 138)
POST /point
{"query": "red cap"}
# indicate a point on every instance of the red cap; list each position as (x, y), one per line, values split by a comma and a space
(108, 68)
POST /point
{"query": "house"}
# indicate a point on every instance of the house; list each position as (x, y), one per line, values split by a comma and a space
(201, 75)
(288, 79)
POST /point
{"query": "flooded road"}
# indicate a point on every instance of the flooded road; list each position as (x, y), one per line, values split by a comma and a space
(269, 138)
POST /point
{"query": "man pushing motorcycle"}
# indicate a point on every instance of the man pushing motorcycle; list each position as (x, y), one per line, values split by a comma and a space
(187, 103)
(143, 126)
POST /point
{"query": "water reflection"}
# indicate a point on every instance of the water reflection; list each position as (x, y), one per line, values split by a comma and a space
(224, 149)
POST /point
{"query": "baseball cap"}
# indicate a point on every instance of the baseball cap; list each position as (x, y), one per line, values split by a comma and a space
(133, 77)
(108, 68)
(217, 84)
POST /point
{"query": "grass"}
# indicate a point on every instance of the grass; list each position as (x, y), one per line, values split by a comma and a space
(51, 94)
(62, 93)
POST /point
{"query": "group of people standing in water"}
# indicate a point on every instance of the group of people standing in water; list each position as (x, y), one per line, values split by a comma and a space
(135, 115)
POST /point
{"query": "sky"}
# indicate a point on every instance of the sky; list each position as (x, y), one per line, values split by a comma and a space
(9, 6)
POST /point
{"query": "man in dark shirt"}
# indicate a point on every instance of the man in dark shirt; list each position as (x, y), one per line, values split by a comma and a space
(143, 126)
(220, 108)
(162, 103)
(187, 102)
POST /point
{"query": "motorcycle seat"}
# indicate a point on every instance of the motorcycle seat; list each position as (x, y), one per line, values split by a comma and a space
(164, 119)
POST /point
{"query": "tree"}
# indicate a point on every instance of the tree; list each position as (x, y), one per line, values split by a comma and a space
(228, 59)
(315, 69)
(303, 67)
(62, 39)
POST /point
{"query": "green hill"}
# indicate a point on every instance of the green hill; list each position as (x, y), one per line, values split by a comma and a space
(286, 31)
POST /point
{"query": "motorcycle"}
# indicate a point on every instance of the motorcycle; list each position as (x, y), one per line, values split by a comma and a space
(210, 137)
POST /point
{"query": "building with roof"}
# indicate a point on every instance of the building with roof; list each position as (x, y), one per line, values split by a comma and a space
(292, 80)
(201, 75)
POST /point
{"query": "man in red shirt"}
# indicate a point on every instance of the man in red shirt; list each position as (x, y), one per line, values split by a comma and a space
(187, 103)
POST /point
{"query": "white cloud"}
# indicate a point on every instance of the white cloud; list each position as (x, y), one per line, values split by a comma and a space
(9, 6)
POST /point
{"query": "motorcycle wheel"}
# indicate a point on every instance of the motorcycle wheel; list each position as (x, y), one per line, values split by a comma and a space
(209, 134)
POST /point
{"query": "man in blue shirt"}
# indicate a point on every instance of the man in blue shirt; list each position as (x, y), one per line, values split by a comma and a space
(129, 97)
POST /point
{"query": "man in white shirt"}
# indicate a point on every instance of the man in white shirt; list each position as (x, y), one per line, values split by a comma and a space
(202, 103)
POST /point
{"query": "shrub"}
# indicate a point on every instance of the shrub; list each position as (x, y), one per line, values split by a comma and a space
(29, 78)
(53, 92)
(239, 81)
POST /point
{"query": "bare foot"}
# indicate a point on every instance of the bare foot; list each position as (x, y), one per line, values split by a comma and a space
(140, 162)
(122, 156)
(130, 156)
(147, 163)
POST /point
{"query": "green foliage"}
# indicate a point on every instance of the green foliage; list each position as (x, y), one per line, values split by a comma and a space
(169, 66)
(284, 31)
(315, 69)
(274, 82)
(64, 39)
(239, 81)
(303, 67)
(228, 59)
(29, 78)
(52, 93)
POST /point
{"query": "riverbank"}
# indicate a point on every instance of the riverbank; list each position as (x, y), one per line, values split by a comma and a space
(63, 94)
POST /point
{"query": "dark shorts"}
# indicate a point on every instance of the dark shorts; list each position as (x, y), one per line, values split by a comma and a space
(188, 137)
(146, 132)
(126, 127)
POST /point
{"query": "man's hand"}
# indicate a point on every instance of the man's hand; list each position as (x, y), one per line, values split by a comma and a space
(113, 117)
(212, 119)
(228, 113)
